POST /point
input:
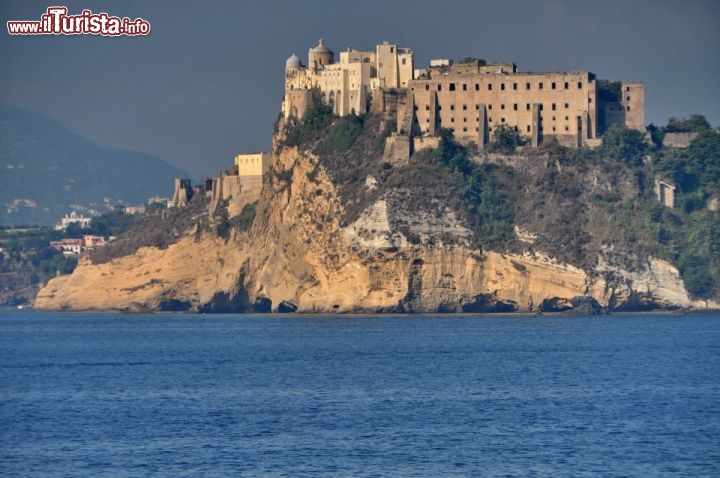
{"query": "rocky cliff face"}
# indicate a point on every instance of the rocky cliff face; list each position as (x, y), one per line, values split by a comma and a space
(395, 256)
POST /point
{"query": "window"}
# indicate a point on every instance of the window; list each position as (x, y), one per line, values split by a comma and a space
(502, 107)
(439, 87)
(527, 107)
(540, 85)
(427, 87)
(464, 130)
(627, 98)
(452, 107)
(489, 107)
(502, 120)
(567, 105)
(528, 128)
(628, 108)
(553, 106)
(502, 86)
(477, 86)
(579, 85)
(567, 129)
(553, 118)
(464, 86)
(553, 129)
(552, 85)
(540, 107)
(464, 107)
(515, 106)
(627, 88)
(566, 118)
(489, 120)
(391, 49)
(527, 86)
(452, 120)
(514, 86)
(515, 128)
(567, 85)
(427, 107)
(489, 86)
(477, 107)
(464, 120)
(452, 86)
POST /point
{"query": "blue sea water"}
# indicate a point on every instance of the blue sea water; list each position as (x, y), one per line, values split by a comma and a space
(181, 395)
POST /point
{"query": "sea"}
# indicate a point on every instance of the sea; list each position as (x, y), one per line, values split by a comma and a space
(111, 395)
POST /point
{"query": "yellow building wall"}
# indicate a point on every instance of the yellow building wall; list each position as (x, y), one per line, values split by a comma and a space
(252, 164)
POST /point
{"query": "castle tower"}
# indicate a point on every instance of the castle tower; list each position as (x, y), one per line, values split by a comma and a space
(632, 98)
(320, 56)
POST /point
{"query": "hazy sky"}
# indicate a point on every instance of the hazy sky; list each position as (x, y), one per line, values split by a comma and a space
(207, 82)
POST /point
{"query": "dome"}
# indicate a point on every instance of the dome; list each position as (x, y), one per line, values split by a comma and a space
(293, 62)
(321, 48)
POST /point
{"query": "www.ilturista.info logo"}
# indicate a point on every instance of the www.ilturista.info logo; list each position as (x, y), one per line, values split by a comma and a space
(57, 22)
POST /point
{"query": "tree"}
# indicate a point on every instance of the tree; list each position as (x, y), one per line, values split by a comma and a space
(693, 124)
(624, 144)
(507, 139)
(472, 59)
(609, 91)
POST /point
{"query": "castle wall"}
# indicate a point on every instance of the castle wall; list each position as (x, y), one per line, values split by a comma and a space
(405, 67)
(182, 193)
(678, 140)
(614, 114)
(559, 105)
(252, 164)
(633, 102)
(387, 65)
(251, 168)
(509, 100)
(296, 102)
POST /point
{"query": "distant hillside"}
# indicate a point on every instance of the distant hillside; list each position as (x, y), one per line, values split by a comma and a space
(45, 169)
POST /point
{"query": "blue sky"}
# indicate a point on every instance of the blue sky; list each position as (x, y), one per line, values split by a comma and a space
(207, 82)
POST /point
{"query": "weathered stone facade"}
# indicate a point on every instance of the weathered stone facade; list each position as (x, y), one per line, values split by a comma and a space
(471, 98)
(473, 101)
(347, 84)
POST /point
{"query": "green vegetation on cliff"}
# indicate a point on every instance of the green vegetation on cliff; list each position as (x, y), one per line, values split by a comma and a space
(579, 204)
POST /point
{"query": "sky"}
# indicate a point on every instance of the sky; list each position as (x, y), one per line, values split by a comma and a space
(207, 82)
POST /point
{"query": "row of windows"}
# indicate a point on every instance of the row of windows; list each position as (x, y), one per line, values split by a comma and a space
(528, 106)
(528, 129)
(528, 86)
(502, 119)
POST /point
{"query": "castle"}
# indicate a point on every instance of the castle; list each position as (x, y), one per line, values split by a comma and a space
(470, 97)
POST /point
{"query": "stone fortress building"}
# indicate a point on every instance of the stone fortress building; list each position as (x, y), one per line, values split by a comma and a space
(235, 187)
(471, 97)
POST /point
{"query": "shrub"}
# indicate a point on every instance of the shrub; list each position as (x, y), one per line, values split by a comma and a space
(342, 135)
(318, 116)
(245, 219)
(506, 139)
